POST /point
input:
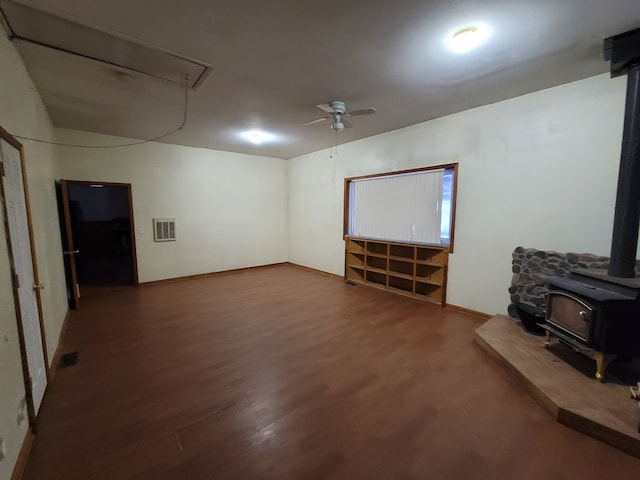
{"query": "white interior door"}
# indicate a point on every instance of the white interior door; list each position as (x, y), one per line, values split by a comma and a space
(23, 264)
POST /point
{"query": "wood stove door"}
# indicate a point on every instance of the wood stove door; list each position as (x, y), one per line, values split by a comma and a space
(570, 314)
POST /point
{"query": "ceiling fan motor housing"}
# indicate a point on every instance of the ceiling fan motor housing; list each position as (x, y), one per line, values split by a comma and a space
(338, 107)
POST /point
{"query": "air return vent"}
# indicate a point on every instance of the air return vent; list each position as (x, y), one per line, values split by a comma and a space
(32, 26)
(164, 229)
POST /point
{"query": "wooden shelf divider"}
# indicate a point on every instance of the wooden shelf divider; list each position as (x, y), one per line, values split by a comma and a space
(415, 270)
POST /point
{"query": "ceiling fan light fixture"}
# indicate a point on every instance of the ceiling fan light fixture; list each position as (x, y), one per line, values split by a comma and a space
(468, 38)
(338, 114)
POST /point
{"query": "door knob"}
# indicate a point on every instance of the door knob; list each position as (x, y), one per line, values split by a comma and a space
(69, 252)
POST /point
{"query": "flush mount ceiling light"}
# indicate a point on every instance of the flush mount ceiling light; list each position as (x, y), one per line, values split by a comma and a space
(467, 38)
(257, 137)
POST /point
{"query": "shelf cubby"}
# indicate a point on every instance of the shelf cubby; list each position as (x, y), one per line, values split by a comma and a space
(406, 252)
(355, 273)
(355, 246)
(376, 277)
(431, 255)
(376, 262)
(403, 284)
(430, 274)
(355, 259)
(429, 291)
(377, 249)
(397, 266)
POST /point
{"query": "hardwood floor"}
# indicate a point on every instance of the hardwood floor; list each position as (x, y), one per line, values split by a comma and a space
(281, 373)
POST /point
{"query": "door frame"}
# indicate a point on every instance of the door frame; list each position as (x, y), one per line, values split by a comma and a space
(67, 240)
(132, 227)
(6, 136)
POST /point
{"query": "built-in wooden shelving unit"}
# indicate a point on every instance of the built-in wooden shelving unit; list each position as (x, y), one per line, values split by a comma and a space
(418, 271)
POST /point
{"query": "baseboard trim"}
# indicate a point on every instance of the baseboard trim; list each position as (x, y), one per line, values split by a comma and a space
(315, 270)
(55, 362)
(206, 275)
(468, 311)
(23, 456)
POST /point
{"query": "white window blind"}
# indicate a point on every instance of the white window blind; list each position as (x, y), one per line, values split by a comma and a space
(404, 207)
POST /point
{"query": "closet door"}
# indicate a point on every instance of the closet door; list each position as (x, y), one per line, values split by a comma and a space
(25, 282)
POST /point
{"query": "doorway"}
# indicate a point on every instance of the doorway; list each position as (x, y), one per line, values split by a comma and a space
(99, 236)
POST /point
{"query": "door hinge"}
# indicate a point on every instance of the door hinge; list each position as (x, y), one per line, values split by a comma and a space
(16, 278)
(1, 168)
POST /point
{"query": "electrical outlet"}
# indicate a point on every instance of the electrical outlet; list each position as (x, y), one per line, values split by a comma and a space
(3, 449)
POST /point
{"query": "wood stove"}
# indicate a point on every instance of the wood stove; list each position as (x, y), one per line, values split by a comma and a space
(598, 313)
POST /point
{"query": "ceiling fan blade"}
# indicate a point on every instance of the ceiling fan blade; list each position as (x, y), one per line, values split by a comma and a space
(346, 123)
(311, 122)
(325, 107)
(363, 111)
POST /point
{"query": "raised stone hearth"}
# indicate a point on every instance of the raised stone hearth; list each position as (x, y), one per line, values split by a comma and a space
(561, 380)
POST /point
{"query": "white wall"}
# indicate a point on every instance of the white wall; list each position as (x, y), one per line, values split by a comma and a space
(22, 113)
(231, 209)
(538, 170)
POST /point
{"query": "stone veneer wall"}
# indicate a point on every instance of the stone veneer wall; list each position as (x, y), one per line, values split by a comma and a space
(530, 267)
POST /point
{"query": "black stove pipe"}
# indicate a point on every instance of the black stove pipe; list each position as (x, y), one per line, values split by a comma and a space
(626, 221)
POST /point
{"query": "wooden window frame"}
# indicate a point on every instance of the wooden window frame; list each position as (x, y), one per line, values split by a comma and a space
(454, 194)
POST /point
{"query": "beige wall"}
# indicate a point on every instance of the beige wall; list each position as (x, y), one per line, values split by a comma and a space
(538, 170)
(230, 209)
(22, 113)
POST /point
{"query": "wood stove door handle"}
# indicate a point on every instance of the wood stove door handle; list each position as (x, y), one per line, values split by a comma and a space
(584, 315)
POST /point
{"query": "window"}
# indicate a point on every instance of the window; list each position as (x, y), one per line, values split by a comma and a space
(447, 202)
(415, 206)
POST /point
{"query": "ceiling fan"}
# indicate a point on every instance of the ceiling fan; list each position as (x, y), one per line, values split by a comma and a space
(337, 111)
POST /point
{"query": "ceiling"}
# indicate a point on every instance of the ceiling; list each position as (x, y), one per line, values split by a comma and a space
(266, 64)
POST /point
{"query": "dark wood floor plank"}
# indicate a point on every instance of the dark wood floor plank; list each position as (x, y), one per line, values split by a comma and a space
(282, 373)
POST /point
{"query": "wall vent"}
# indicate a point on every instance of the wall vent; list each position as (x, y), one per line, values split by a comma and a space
(164, 229)
(33, 26)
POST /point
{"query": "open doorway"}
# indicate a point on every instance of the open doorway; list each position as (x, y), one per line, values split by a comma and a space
(99, 235)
